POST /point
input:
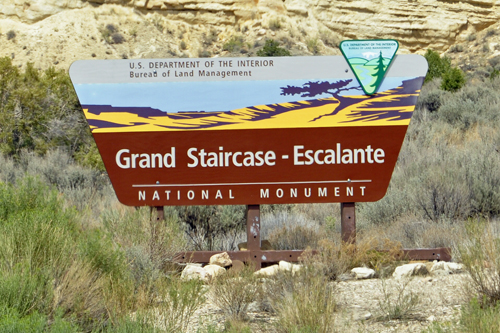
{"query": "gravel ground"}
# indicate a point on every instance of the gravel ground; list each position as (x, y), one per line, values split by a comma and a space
(439, 299)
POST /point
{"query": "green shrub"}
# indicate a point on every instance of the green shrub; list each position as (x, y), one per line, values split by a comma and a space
(453, 79)
(490, 32)
(233, 292)
(313, 45)
(457, 48)
(180, 301)
(39, 110)
(437, 65)
(212, 227)
(234, 44)
(11, 34)
(304, 301)
(274, 24)
(480, 255)
(117, 38)
(271, 49)
(476, 318)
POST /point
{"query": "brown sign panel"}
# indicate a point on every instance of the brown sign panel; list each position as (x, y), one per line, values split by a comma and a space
(246, 130)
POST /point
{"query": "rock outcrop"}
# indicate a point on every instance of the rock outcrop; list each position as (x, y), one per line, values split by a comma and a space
(58, 32)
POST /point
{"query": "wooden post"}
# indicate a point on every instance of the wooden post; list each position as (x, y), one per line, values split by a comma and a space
(253, 234)
(348, 222)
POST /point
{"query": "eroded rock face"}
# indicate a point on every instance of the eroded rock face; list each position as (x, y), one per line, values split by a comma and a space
(36, 10)
(59, 32)
(416, 24)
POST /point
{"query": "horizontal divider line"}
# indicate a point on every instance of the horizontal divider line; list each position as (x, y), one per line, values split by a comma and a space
(263, 183)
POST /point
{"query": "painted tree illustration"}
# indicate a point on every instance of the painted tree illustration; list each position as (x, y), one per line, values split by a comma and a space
(379, 74)
(311, 89)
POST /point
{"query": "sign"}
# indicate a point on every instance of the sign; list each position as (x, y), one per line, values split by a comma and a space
(369, 60)
(227, 131)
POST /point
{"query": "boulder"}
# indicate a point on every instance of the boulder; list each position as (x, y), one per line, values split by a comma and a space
(214, 270)
(363, 273)
(287, 266)
(410, 270)
(194, 272)
(446, 268)
(221, 259)
(237, 266)
(268, 271)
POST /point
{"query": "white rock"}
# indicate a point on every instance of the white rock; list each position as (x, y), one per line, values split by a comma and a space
(446, 268)
(363, 272)
(455, 267)
(221, 259)
(287, 266)
(214, 270)
(268, 271)
(410, 270)
(194, 272)
(194, 264)
(261, 32)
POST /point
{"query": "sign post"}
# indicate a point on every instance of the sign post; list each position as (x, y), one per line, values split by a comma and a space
(252, 131)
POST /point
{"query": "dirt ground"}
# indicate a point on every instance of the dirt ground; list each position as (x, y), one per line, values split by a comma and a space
(439, 298)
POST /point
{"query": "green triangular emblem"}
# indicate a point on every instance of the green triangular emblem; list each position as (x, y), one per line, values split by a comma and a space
(369, 60)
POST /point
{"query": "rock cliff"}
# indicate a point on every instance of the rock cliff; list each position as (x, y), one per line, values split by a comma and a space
(57, 32)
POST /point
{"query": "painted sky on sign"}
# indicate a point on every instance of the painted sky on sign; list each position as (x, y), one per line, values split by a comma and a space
(202, 96)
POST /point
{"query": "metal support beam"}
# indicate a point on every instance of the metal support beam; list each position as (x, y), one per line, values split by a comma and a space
(440, 253)
(159, 213)
(348, 222)
(253, 234)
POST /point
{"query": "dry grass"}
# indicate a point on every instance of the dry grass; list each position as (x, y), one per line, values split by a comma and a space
(233, 292)
(480, 255)
(304, 301)
(338, 258)
(398, 302)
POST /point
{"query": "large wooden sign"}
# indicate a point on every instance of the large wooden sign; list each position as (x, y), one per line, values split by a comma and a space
(231, 131)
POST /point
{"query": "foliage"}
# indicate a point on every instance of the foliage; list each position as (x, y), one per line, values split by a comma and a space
(117, 38)
(480, 255)
(397, 302)
(181, 300)
(313, 45)
(39, 111)
(11, 34)
(475, 318)
(212, 227)
(304, 301)
(447, 168)
(437, 65)
(453, 79)
(234, 44)
(271, 49)
(338, 258)
(233, 292)
(275, 24)
(71, 278)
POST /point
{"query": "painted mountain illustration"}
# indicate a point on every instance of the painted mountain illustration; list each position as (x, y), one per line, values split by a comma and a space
(391, 107)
